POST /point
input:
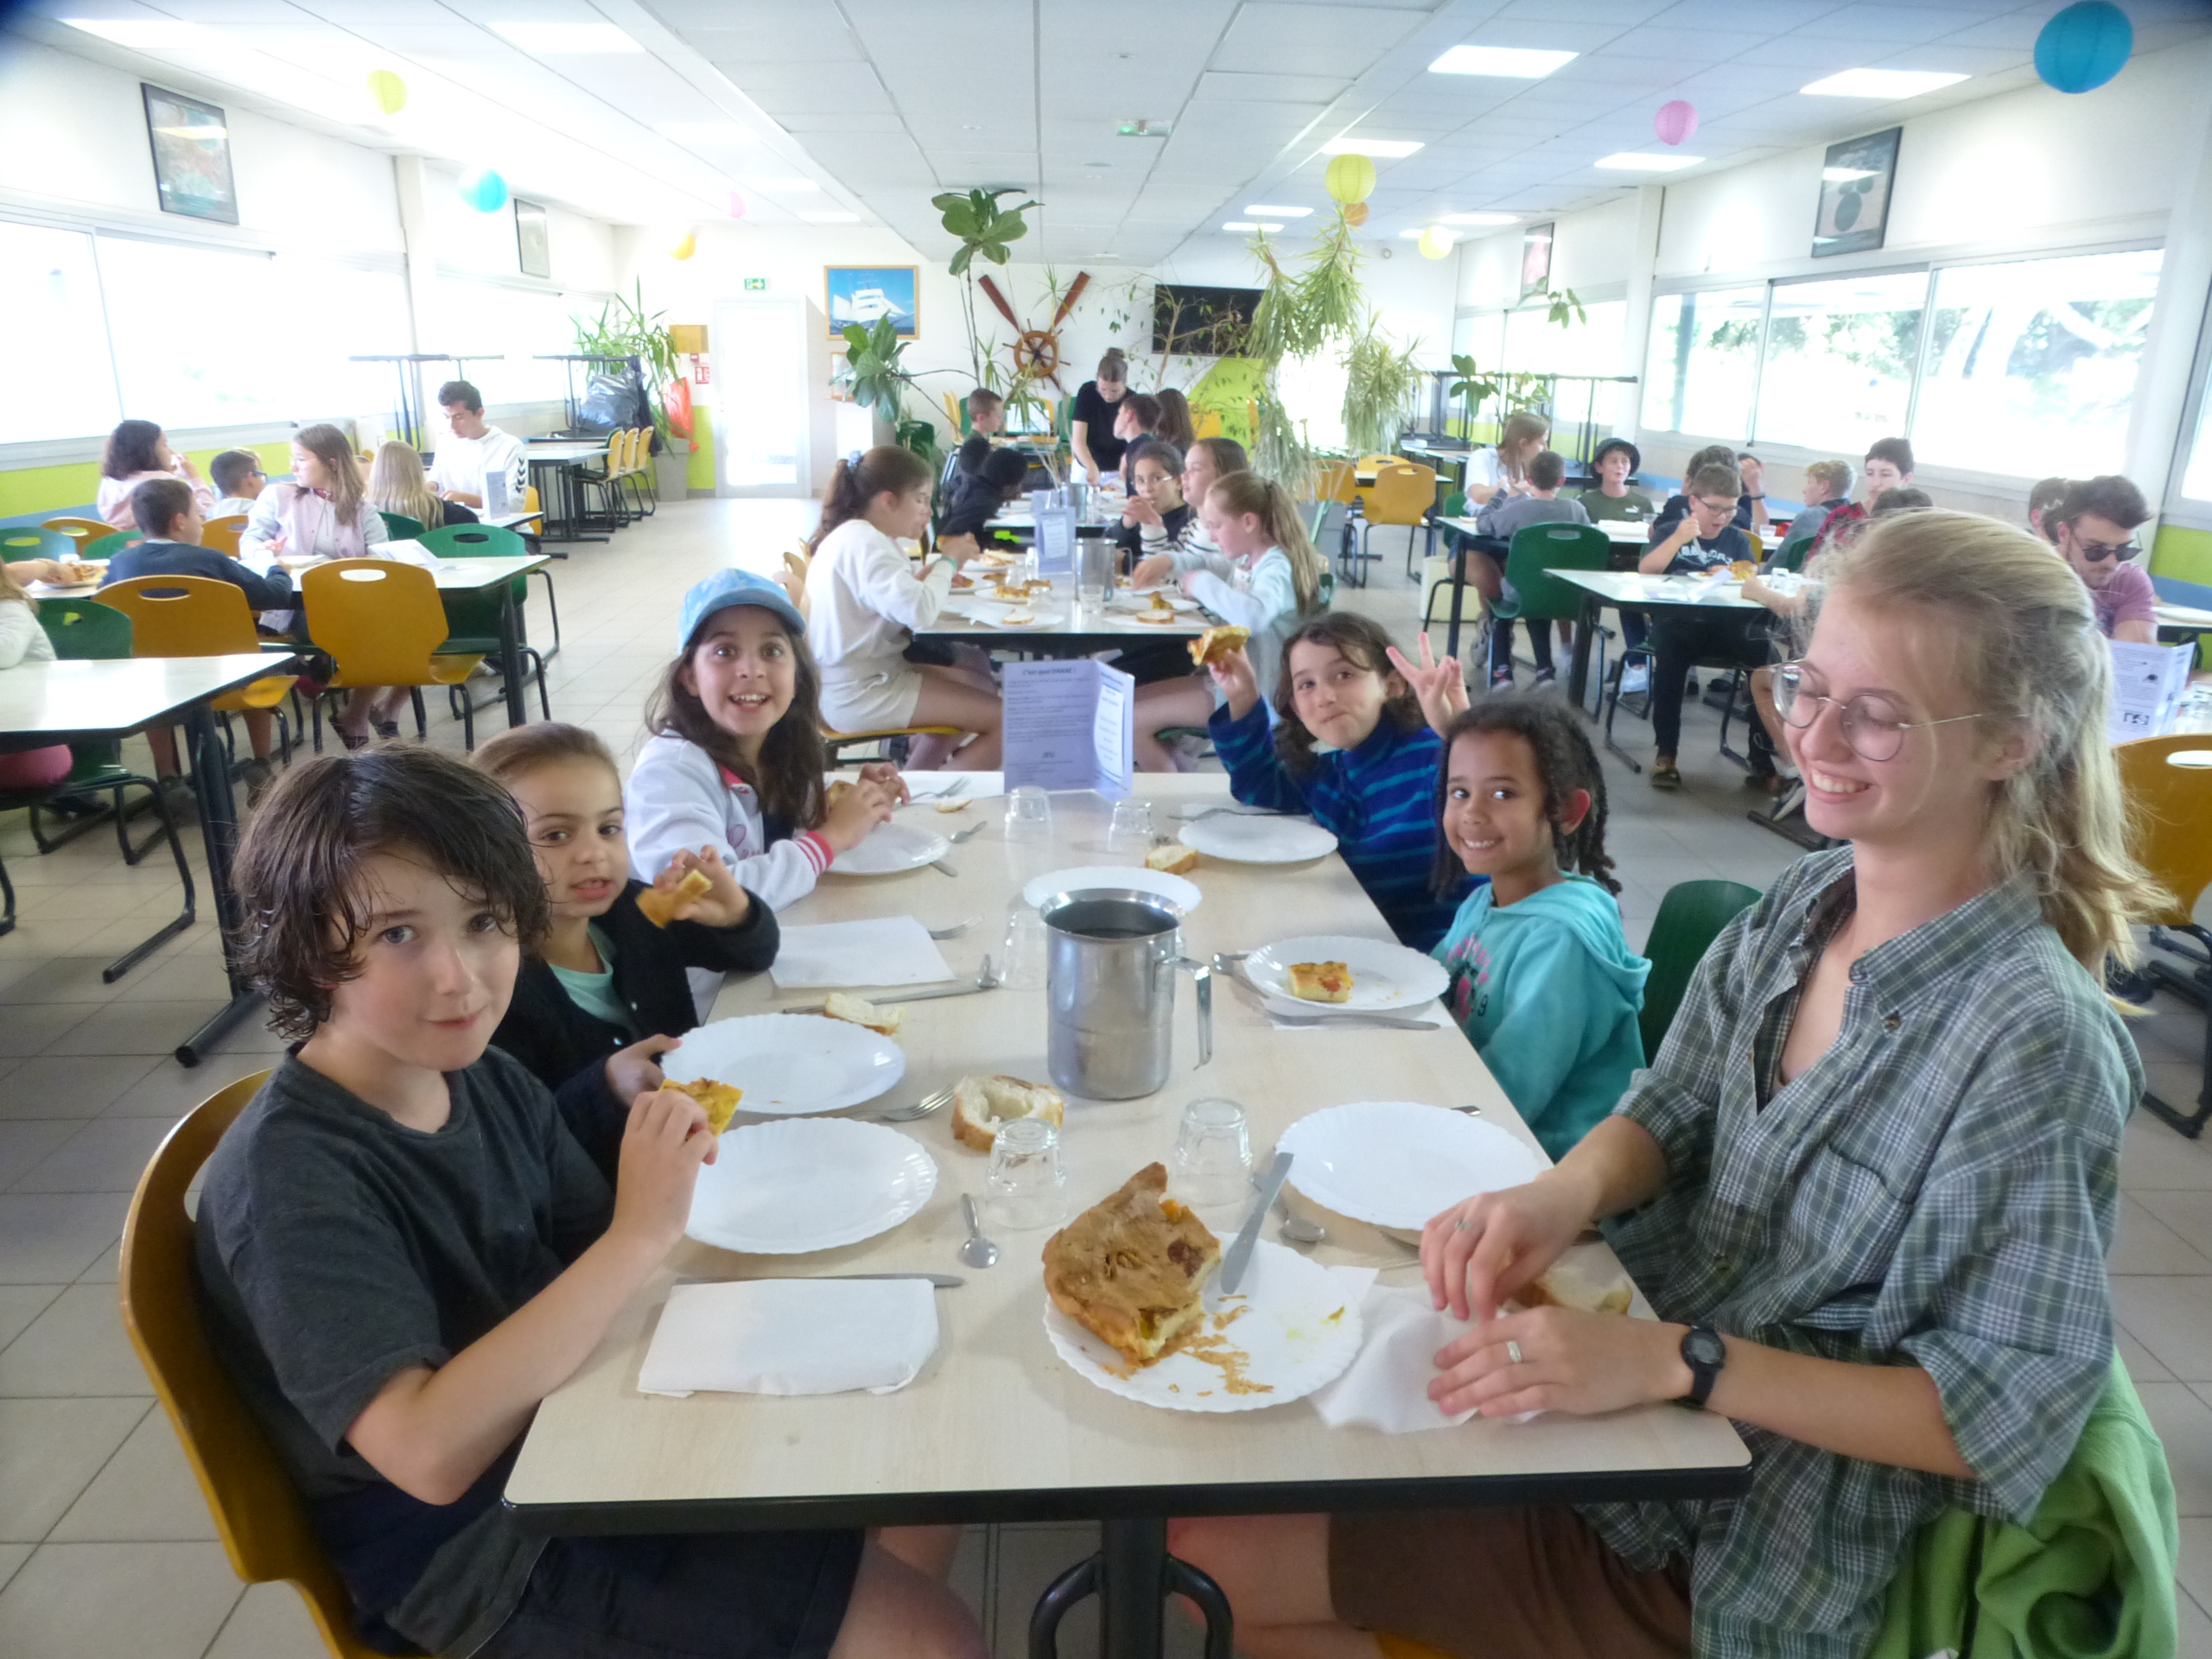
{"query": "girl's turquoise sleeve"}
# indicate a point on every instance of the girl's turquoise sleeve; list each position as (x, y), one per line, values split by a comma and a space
(1553, 1005)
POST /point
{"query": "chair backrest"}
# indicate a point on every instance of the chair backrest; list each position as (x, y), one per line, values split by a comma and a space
(1758, 542)
(222, 534)
(1336, 483)
(530, 498)
(258, 1511)
(398, 527)
(1324, 589)
(80, 530)
(1402, 493)
(474, 541)
(1455, 504)
(1537, 550)
(2168, 784)
(23, 542)
(85, 630)
(380, 619)
(183, 616)
(107, 546)
(1791, 556)
(1690, 917)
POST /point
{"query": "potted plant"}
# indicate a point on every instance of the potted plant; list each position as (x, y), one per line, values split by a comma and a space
(624, 331)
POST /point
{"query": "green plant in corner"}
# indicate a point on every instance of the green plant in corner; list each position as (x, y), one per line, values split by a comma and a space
(623, 330)
(874, 369)
(985, 229)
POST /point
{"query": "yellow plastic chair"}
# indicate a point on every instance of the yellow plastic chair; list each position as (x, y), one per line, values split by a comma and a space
(259, 1514)
(198, 616)
(381, 623)
(1402, 495)
(794, 581)
(2168, 784)
(83, 531)
(222, 534)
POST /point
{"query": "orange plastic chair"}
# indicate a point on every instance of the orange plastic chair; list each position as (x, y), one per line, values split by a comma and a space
(222, 534)
(198, 616)
(259, 1514)
(84, 531)
(2168, 784)
(382, 623)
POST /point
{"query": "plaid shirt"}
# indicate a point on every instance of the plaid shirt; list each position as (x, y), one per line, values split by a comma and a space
(1938, 1189)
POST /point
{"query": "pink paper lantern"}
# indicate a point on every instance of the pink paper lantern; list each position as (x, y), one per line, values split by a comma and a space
(736, 206)
(1675, 122)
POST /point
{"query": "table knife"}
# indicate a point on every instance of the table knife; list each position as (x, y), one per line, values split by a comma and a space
(939, 864)
(894, 994)
(1240, 1253)
(942, 1280)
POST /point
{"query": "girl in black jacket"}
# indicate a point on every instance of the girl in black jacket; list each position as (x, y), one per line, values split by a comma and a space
(603, 994)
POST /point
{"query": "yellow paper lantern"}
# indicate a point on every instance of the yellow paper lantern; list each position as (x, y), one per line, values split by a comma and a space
(1355, 215)
(1349, 178)
(686, 245)
(1436, 242)
(389, 90)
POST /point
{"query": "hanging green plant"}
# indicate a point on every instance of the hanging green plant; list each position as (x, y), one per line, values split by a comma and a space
(1380, 381)
(985, 230)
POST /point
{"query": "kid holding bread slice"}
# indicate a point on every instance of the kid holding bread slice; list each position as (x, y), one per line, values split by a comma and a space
(604, 994)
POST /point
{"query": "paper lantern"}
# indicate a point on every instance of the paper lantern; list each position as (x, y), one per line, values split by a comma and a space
(686, 245)
(736, 206)
(483, 189)
(1355, 215)
(389, 90)
(1675, 122)
(1436, 242)
(2084, 47)
(1349, 178)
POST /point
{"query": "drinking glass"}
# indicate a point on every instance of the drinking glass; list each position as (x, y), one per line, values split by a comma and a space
(1026, 1187)
(1131, 829)
(1213, 1155)
(1029, 813)
(1025, 948)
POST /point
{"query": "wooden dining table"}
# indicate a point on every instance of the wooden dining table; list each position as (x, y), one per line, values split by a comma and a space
(997, 1427)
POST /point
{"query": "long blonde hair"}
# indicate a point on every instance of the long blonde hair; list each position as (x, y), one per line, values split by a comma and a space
(2021, 633)
(1520, 426)
(396, 484)
(1243, 492)
(335, 451)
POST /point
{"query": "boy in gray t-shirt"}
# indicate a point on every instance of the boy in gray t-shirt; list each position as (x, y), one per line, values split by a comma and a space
(1504, 517)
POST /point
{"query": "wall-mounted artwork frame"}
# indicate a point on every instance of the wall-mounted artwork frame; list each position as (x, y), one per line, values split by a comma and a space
(1536, 260)
(533, 240)
(190, 141)
(1857, 177)
(862, 294)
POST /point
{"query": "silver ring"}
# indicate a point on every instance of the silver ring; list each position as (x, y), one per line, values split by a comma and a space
(1461, 1227)
(1513, 1352)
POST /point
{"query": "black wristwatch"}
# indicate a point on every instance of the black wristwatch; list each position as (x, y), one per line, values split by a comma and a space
(1705, 1354)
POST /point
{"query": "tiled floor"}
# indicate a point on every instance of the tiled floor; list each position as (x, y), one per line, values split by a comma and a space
(105, 1548)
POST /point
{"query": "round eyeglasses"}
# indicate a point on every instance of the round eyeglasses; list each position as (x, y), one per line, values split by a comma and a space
(1871, 724)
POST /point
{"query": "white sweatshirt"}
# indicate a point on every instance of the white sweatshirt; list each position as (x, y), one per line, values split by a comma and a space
(1263, 598)
(864, 603)
(679, 799)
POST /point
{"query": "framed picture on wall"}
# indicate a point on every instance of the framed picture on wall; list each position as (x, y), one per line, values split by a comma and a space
(862, 293)
(192, 156)
(533, 247)
(1856, 183)
(1535, 260)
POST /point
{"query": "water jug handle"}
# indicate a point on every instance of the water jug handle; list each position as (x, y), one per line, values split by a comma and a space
(1203, 976)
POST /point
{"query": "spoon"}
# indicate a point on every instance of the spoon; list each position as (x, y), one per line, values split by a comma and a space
(1297, 1230)
(978, 1251)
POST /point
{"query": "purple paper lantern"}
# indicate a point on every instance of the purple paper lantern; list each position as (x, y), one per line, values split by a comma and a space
(1675, 122)
(2084, 47)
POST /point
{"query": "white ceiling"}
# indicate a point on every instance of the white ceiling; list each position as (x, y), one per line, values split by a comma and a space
(883, 103)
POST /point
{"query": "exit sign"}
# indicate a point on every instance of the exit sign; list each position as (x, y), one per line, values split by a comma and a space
(756, 284)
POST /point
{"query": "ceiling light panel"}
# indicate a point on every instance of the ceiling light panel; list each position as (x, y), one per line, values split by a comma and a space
(1481, 220)
(144, 34)
(1634, 161)
(1387, 149)
(1248, 225)
(565, 39)
(1506, 62)
(1886, 83)
(1260, 210)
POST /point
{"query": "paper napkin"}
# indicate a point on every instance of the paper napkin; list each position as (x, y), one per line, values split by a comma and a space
(1386, 1385)
(791, 1335)
(885, 950)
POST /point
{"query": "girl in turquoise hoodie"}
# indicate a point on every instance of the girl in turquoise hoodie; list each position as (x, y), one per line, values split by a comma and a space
(1543, 980)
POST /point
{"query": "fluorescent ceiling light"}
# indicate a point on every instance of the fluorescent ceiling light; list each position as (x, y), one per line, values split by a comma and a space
(1261, 210)
(1480, 218)
(1512, 62)
(1248, 226)
(1880, 83)
(703, 132)
(783, 184)
(142, 33)
(565, 39)
(1388, 150)
(831, 218)
(1638, 161)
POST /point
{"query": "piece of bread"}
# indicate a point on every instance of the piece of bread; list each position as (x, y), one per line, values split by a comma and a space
(719, 1098)
(1017, 618)
(981, 1104)
(1159, 603)
(1217, 643)
(1173, 859)
(861, 1012)
(1565, 1285)
(1131, 1270)
(1157, 618)
(1741, 567)
(1320, 982)
(835, 793)
(952, 806)
(659, 905)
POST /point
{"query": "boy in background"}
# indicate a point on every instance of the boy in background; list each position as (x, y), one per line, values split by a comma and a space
(1501, 519)
(475, 451)
(2094, 527)
(1610, 498)
(239, 479)
(986, 418)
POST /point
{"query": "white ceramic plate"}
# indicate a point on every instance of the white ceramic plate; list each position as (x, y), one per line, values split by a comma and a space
(1173, 888)
(1249, 838)
(890, 849)
(791, 1063)
(995, 612)
(1297, 1329)
(1383, 975)
(1394, 1163)
(809, 1184)
(1126, 601)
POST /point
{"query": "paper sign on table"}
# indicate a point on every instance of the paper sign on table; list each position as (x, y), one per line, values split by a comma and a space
(1055, 541)
(2148, 683)
(1069, 724)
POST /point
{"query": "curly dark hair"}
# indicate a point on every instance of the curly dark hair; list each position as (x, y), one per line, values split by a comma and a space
(298, 869)
(130, 449)
(792, 756)
(1364, 644)
(1564, 763)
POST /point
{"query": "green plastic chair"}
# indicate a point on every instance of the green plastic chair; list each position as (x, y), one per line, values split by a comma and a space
(108, 546)
(1533, 594)
(29, 542)
(1690, 917)
(1791, 555)
(398, 527)
(474, 618)
(83, 631)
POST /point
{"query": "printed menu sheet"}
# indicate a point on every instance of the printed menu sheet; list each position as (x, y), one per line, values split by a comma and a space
(1069, 724)
(2148, 683)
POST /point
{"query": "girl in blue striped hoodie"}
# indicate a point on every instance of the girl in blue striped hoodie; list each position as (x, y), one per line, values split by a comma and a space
(1350, 745)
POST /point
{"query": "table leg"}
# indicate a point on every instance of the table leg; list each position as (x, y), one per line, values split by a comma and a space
(1132, 1575)
(1586, 630)
(510, 669)
(1458, 596)
(219, 831)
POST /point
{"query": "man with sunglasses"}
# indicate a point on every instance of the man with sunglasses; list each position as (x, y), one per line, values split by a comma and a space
(2094, 529)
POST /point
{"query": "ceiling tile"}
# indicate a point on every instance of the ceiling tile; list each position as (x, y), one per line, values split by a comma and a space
(1251, 89)
(1862, 25)
(1621, 12)
(1270, 37)
(830, 118)
(759, 33)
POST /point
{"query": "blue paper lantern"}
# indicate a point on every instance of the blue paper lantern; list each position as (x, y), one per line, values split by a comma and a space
(483, 189)
(2084, 46)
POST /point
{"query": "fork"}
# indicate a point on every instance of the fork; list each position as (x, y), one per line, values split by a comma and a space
(922, 1108)
(955, 931)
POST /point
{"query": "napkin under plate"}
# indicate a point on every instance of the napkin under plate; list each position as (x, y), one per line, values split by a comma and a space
(791, 1335)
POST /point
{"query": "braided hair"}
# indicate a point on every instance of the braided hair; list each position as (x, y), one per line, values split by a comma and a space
(1564, 763)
